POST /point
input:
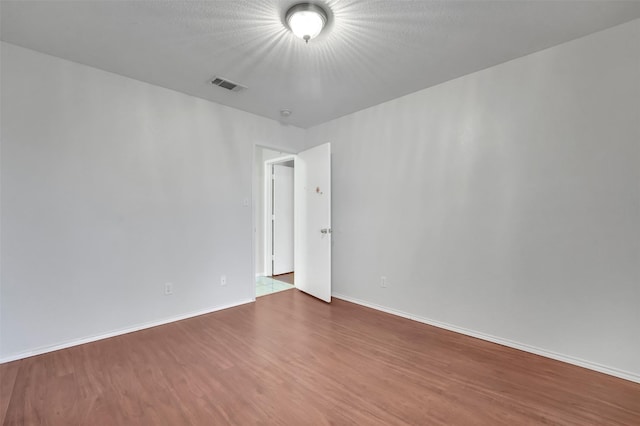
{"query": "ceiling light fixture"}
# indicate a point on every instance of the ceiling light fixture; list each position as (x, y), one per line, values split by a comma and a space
(306, 20)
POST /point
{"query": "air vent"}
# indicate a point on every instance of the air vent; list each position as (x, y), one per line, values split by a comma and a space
(227, 84)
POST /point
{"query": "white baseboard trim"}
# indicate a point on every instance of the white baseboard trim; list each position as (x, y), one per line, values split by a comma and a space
(50, 348)
(504, 342)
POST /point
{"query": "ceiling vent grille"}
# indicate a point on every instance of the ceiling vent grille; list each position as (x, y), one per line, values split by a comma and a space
(227, 84)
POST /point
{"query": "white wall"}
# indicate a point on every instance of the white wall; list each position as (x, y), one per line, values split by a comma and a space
(112, 187)
(505, 202)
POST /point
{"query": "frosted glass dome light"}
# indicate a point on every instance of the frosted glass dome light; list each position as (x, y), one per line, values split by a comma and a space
(306, 20)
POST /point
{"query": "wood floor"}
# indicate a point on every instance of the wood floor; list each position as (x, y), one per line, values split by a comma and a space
(331, 364)
(287, 278)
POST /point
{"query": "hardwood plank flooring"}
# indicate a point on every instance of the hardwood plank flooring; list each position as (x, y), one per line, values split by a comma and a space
(331, 364)
(8, 373)
(287, 278)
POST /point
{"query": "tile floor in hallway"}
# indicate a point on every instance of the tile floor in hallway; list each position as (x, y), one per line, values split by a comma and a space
(268, 285)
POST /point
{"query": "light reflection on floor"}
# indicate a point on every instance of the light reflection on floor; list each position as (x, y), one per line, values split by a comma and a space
(268, 285)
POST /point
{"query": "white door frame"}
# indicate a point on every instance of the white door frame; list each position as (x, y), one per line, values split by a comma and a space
(266, 214)
(258, 191)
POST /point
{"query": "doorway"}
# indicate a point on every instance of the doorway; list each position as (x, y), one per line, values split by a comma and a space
(292, 236)
(275, 222)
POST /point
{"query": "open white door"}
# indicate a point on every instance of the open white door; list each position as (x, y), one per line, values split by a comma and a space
(313, 221)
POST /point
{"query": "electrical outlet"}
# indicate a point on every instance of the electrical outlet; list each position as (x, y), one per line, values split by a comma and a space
(383, 282)
(168, 289)
(223, 280)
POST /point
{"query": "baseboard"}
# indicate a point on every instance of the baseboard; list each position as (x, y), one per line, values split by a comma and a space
(504, 342)
(50, 348)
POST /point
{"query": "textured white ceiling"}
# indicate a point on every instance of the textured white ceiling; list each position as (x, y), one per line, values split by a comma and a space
(373, 50)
